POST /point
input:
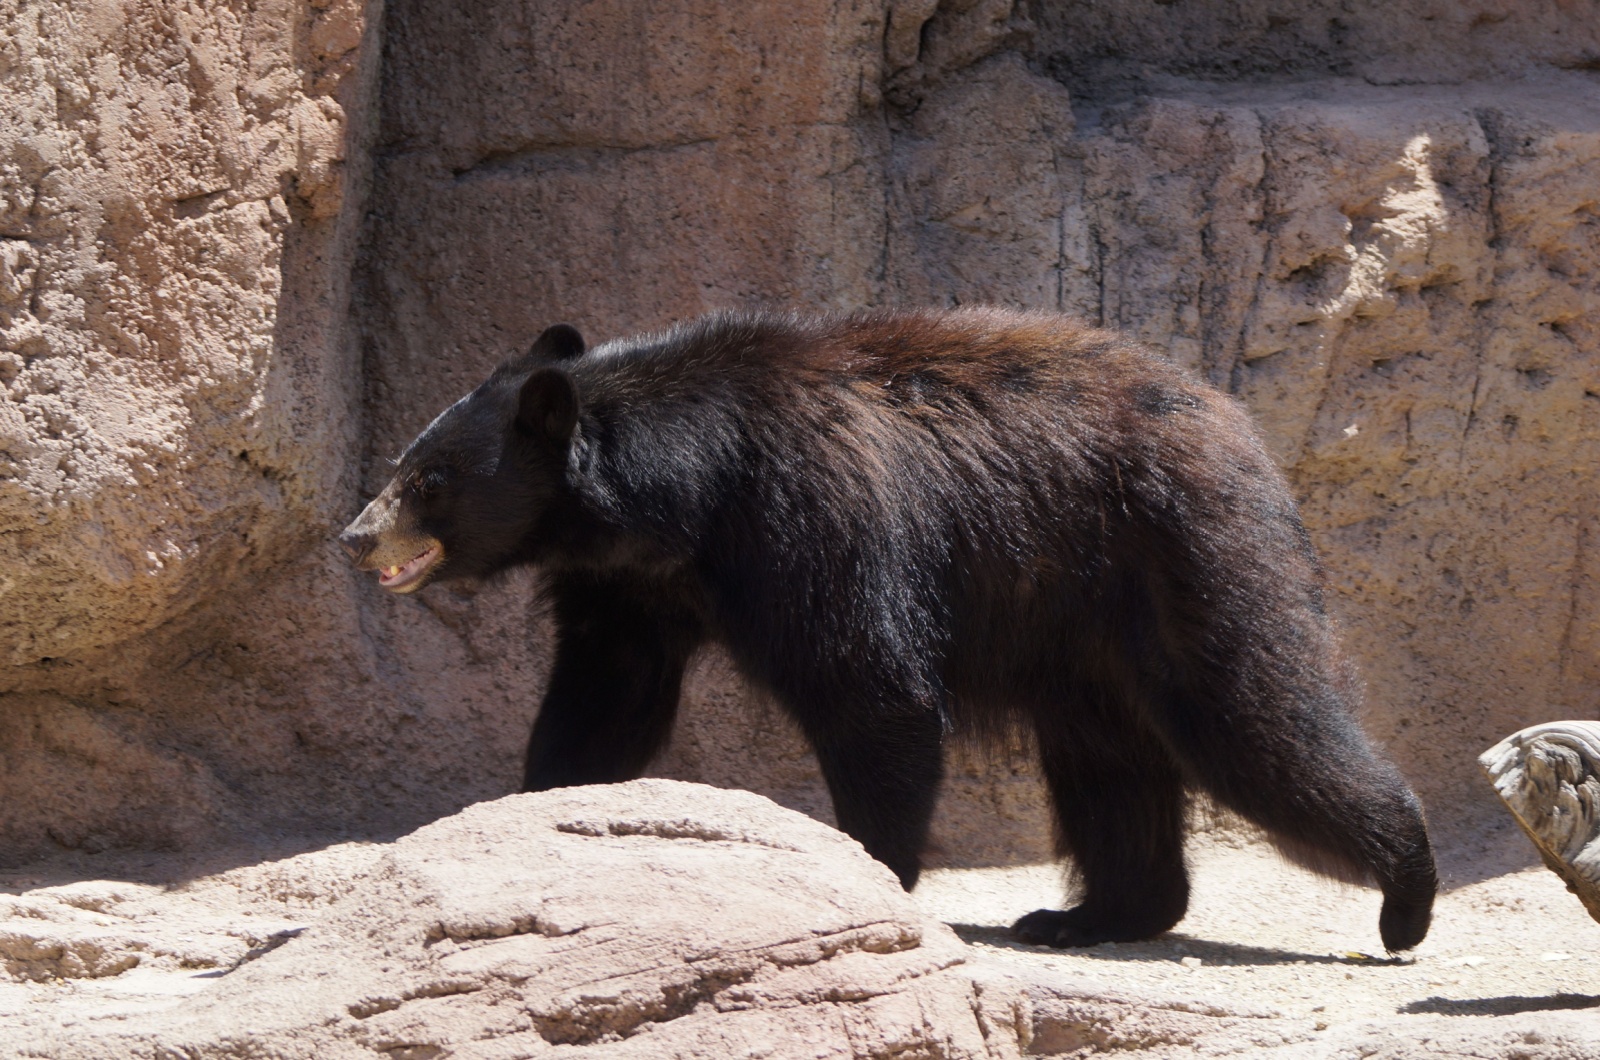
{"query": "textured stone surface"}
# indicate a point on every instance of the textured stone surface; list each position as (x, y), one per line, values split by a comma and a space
(183, 658)
(1402, 44)
(661, 919)
(653, 919)
(177, 395)
(1378, 228)
(1549, 778)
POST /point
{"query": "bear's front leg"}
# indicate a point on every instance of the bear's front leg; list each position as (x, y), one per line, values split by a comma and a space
(621, 647)
(884, 778)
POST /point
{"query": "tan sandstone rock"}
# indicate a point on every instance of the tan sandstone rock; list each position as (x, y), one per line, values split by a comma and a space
(652, 919)
(661, 919)
(1378, 228)
(173, 219)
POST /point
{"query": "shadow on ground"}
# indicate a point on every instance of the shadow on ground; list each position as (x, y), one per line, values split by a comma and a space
(1499, 1006)
(1173, 945)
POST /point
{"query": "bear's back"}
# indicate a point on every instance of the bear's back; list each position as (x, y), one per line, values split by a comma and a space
(976, 362)
(1019, 432)
(971, 401)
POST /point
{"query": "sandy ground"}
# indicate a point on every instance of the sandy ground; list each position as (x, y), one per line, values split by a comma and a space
(98, 937)
(1265, 935)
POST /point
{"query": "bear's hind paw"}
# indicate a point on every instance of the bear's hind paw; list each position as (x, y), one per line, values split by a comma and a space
(1080, 926)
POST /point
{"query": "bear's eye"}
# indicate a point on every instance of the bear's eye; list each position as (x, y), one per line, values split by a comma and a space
(426, 483)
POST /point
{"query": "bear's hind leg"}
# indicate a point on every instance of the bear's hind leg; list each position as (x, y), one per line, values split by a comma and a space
(1119, 811)
(1303, 770)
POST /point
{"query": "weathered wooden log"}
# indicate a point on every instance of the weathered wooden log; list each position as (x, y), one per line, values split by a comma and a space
(1549, 777)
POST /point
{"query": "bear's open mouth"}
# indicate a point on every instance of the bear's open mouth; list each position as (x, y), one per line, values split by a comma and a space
(409, 574)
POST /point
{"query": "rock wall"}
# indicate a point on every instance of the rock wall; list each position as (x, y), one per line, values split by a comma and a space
(1377, 228)
(182, 188)
(177, 401)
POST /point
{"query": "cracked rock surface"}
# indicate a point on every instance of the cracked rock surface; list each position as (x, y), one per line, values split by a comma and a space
(650, 919)
(658, 919)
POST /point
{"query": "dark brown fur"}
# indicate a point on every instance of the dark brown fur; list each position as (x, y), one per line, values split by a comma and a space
(908, 524)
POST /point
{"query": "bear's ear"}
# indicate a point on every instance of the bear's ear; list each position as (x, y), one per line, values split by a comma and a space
(560, 342)
(548, 405)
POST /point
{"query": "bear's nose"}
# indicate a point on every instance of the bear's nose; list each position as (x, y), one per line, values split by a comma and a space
(358, 545)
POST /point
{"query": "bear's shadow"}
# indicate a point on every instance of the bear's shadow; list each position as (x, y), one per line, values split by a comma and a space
(1499, 1006)
(1172, 946)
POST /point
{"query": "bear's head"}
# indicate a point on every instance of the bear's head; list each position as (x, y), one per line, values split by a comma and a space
(468, 495)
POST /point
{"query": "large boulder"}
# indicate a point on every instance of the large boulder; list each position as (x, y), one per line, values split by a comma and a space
(652, 919)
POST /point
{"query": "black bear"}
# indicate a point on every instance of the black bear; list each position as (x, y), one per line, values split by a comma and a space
(910, 525)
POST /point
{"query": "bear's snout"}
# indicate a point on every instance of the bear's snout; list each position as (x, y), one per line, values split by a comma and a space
(356, 544)
(404, 557)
